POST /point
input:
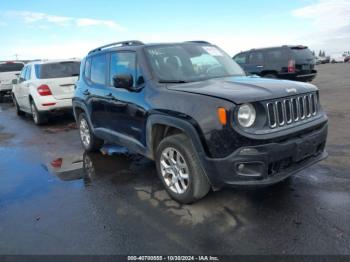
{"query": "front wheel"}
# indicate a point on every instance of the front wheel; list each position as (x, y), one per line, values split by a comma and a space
(180, 170)
(18, 109)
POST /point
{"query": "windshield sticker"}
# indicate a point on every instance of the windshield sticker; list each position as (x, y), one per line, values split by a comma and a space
(212, 51)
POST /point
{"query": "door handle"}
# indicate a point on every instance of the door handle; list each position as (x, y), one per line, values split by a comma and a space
(86, 92)
(259, 66)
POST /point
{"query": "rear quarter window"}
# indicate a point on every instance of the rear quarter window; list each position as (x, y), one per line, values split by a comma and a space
(11, 67)
(98, 71)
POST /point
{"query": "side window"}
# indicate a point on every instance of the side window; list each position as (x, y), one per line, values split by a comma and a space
(28, 73)
(87, 68)
(98, 69)
(256, 58)
(122, 63)
(273, 56)
(241, 59)
(23, 73)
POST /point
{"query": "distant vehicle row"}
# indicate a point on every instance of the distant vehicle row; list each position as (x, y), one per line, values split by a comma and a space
(8, 72)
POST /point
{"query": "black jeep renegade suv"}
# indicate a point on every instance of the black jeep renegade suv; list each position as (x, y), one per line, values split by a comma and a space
(192, 109)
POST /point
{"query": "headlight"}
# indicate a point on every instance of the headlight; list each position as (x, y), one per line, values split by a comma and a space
(246, 115)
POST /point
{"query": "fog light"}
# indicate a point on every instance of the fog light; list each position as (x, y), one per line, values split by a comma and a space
(251, 169)
(240, 167)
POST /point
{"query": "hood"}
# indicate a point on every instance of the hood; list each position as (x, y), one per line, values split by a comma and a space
(245, 89)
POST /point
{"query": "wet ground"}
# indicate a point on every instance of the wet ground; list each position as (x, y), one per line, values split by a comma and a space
(56, 199)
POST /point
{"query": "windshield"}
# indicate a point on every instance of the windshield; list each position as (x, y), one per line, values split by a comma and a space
(11, 67)
(190, 62)
(57, 70)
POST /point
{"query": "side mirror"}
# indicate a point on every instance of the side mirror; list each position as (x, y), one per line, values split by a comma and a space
(14, 81)
(125, 81)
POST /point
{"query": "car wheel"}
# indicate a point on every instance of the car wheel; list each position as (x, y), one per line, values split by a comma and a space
(180, 170)
(273, 76)
(38, 117)
(89, 141)
(18, 110)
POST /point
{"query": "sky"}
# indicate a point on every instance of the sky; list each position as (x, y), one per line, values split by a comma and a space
(41, 29)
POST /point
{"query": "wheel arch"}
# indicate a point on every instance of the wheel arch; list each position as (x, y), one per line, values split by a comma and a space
(159, 126)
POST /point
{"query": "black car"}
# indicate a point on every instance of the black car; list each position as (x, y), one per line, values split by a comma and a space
(192, 109)
(285, 62)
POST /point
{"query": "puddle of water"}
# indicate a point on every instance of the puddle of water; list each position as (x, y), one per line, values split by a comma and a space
(90, 167)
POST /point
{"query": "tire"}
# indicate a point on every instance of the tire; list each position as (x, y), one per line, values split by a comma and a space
(184, 190)
(88, 140)
(273, 76)
(18, 110)
(38, 117)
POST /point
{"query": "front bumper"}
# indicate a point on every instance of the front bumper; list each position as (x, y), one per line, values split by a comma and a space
(269, 163)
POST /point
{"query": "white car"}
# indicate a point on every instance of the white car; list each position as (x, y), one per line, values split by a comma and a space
(8, 72)
(45, 87)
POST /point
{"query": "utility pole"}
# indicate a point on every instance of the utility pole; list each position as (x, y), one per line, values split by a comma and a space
(16, 56)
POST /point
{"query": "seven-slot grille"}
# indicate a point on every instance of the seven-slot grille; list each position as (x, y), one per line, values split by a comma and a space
(293, 109)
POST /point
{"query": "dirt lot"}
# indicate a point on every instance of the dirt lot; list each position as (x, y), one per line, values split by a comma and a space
(117, 205)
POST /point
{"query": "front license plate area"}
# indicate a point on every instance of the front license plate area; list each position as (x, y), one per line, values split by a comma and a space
(305, 149)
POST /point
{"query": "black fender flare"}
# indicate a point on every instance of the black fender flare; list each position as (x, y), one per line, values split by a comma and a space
(82, 106)
(184, 126)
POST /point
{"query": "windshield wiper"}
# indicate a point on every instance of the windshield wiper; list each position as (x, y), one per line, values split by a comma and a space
(172, 81)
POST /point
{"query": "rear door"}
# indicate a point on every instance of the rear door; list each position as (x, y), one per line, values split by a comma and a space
(95, 78)
(60, 77)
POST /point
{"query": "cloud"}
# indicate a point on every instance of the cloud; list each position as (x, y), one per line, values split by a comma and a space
(330, 24)
(326, 14)
(83, 22)
(36, 17)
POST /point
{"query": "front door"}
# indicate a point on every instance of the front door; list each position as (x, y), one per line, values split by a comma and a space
(255, 63)
(126, 113)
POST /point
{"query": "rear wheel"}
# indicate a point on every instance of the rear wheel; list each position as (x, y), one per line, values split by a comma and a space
(180, 169)
(18, 109)
(89, 141)
(38, 117)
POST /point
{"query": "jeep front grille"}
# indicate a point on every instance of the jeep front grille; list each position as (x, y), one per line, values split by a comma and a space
(290, 110)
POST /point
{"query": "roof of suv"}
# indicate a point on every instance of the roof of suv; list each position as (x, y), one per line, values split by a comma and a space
(136, 44)
(273, 47)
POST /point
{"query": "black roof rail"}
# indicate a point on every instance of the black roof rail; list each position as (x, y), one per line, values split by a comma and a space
(122, 43)
(198, 42)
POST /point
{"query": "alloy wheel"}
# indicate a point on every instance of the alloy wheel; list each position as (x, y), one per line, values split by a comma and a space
(174, 170)
(85, 133)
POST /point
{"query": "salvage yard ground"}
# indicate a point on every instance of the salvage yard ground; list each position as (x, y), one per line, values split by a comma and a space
(119, 207)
